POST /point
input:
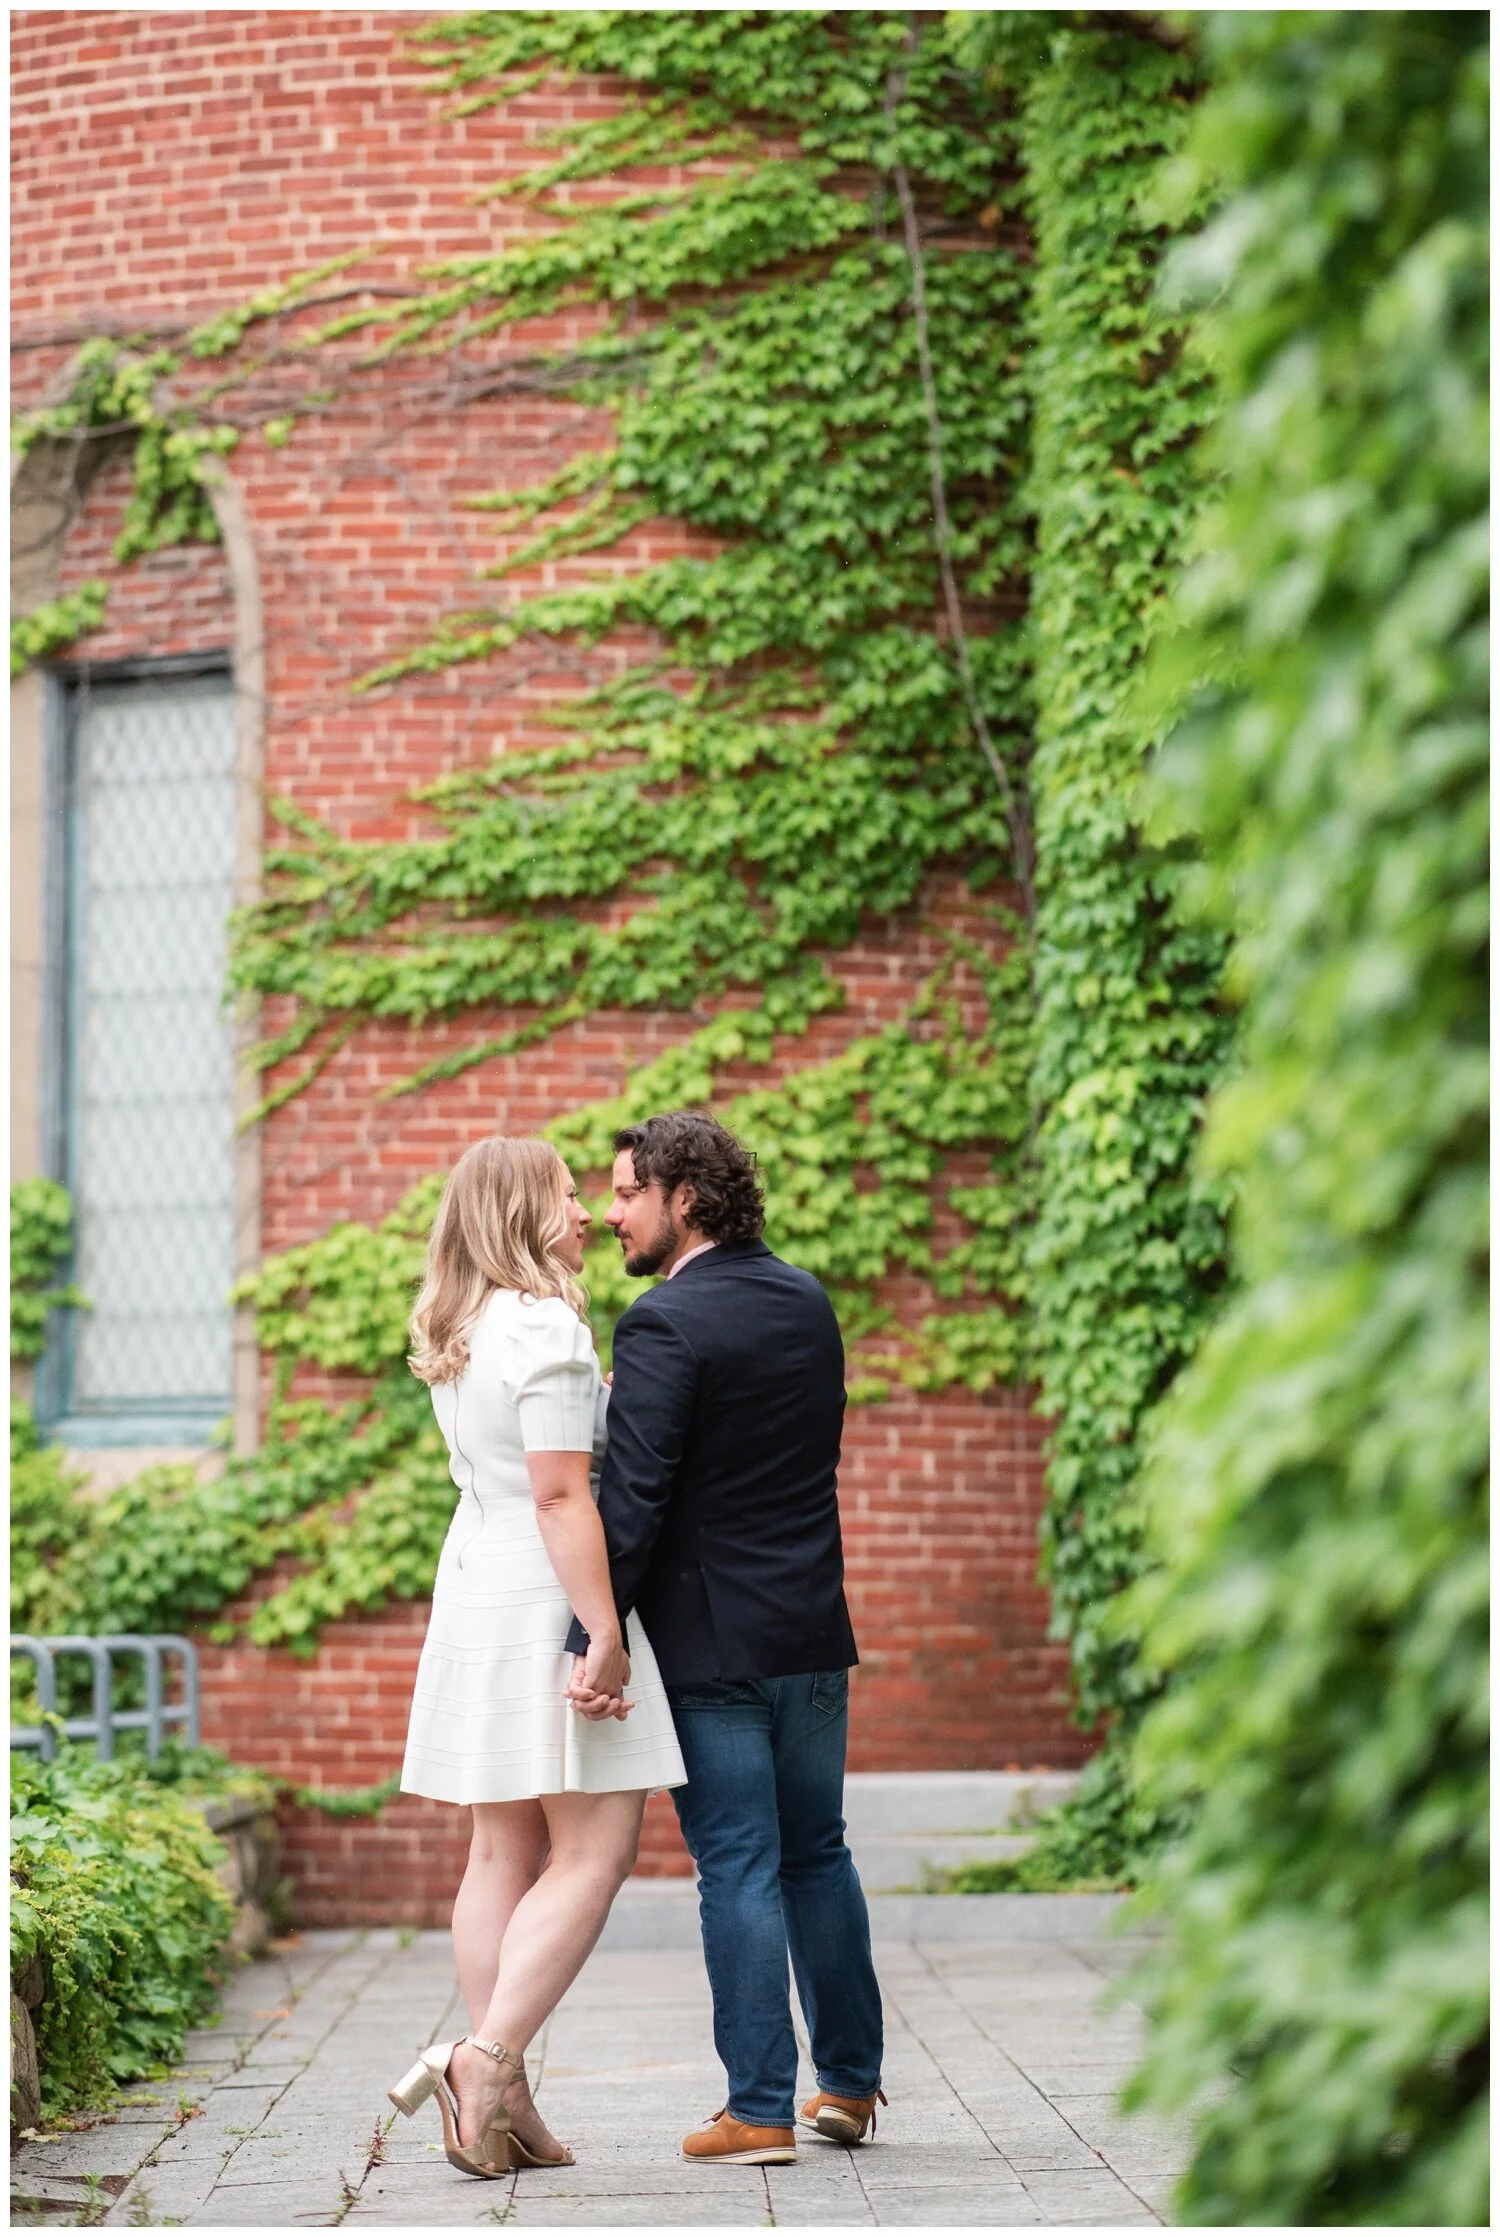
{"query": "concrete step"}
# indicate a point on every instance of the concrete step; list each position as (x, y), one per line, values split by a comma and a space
(916, 1864)
(663, 1915)
(906, 1802)
(907, 1828)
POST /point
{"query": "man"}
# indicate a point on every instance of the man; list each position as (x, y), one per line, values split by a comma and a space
(720, 1509)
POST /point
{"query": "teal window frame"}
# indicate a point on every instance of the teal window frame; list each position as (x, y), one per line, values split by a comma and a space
(64, 1419)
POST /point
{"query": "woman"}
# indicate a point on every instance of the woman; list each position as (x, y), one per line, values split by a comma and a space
(557, 1789)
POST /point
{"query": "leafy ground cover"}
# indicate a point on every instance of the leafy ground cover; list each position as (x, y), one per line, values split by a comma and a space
(114, 1888)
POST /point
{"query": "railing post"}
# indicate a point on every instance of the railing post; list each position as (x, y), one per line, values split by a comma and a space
(149, 1647)
(98, 1728)
(46, 1694)
(104, 1702)
(187, 1712)
(153, 1699)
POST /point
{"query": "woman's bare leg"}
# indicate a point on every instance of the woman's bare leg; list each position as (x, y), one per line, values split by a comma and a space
(507, 1852)
(552, 1928)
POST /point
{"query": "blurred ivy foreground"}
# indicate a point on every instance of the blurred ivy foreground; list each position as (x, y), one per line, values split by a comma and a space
(1317, 1492)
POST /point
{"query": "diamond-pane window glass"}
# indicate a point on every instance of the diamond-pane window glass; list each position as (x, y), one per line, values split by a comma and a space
(148, 1067)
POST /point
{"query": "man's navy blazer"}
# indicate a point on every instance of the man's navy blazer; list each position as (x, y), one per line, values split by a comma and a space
(719, 1493)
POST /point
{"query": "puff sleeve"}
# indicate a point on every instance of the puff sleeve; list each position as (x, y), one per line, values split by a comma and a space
(554, 1377)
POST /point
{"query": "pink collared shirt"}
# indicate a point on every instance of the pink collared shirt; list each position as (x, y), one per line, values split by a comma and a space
(688, 1257)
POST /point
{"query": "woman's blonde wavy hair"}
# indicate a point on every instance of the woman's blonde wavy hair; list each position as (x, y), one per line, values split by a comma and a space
(503, 1214)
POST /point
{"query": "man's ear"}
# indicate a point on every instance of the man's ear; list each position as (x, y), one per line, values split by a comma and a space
(685, 1202)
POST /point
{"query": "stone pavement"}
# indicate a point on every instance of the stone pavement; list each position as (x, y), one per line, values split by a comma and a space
(1001, 2069)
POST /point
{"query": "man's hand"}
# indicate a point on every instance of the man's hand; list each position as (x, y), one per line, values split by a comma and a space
(599, 1680)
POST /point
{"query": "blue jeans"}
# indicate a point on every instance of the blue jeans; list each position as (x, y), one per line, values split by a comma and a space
(762, 1815)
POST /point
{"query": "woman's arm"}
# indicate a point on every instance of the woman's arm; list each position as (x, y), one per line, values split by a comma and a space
(574, 1538)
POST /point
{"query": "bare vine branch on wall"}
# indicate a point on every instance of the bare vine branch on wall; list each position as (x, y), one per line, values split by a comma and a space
(1016, 815)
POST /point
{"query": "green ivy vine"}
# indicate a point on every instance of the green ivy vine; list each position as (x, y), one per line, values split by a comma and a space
(127, 393)
(841, 349)
(796, 756)
(52, 628)
(41, 1243)
(1124, 1261)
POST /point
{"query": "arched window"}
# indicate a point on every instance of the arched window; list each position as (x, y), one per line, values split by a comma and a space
(142, 795)
(136, 820)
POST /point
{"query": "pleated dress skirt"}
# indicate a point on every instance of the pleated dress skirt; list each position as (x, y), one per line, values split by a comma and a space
(490, 1718)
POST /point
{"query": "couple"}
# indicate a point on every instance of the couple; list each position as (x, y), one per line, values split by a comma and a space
(688, 1631)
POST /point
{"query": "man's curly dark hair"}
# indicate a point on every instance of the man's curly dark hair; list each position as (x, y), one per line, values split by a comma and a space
(728, 1203)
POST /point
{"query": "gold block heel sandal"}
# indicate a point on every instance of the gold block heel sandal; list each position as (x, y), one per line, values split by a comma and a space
(429, 2078)
(521, 2155)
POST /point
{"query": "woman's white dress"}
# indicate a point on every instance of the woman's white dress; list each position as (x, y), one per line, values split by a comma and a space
(490, 1719)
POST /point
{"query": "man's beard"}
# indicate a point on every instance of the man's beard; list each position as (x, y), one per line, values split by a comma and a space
(664, 1242)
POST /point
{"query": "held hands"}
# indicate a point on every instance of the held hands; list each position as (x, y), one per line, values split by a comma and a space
(599, 1680)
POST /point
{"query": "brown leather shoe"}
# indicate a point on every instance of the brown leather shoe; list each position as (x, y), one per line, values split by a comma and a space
(734, 2143)
(843, 2120)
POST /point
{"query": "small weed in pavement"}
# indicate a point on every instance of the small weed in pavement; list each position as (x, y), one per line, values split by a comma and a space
(96, 2202)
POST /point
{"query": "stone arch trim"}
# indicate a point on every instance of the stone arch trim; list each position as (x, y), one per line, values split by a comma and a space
(249, 675)
(48, 490)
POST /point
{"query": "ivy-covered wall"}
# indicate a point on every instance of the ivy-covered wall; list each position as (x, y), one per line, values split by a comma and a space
(837, 837)
(927, 306)
(1124, 1262)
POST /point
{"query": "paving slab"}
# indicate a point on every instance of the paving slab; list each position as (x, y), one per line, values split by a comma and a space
(1039, 2144)
(285, 2205)
(1090, 2197)
(222, 2126)
(158, 2195)
(106, 2150)
(1009, 2036)
(957, 2206)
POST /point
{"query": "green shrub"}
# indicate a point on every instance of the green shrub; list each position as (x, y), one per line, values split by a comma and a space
(1102, 1837)
(1318, 1486)
(113, 1884)
(41, 1239)
(198, 1774)
(51, 1530)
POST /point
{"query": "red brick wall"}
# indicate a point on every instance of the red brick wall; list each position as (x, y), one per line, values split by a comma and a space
(166, 167)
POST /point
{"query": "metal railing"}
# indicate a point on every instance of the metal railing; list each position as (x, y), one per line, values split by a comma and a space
(107, 1720)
